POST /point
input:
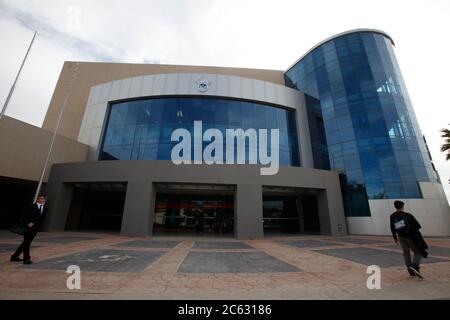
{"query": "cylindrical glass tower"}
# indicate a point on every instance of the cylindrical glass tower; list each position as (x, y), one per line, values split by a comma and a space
(372, 133)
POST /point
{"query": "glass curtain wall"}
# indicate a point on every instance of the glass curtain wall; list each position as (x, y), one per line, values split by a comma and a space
(141, 129)
(372, 134)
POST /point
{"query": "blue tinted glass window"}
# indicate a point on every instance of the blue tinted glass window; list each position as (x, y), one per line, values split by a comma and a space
(142, 129)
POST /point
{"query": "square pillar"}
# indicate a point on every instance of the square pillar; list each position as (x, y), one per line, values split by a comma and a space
(248, 215)
(138, 212)
(303, 135)
(301, 214)
(59, 200)
(331, 213)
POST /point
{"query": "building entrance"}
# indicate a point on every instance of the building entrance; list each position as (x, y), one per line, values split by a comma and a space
(290, 212)
(280, 214)
(97, 208)
(194, 214)
(15, 194)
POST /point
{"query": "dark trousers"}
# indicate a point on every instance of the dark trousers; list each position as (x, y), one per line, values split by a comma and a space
(409, 245)
(25, 245)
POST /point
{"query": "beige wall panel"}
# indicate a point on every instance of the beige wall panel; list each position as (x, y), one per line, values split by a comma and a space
(24, 147)
(90, 74)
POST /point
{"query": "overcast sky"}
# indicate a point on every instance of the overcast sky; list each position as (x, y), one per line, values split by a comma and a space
(241, 33)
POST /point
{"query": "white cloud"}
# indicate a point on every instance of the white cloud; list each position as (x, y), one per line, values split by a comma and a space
(250, 33)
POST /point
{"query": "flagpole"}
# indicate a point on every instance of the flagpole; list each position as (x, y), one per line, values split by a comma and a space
(11, 91)
(55, 133)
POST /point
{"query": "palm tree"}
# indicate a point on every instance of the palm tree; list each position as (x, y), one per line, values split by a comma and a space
(446, 146)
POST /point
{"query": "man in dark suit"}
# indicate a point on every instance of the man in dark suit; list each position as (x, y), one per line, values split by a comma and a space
(31, 218)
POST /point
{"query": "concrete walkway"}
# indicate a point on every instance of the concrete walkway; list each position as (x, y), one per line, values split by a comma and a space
(303, 267)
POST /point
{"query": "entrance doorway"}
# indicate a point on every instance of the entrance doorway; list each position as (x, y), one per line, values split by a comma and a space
(290, 211)
(194, 214)
(96, 208)
(15, 194)
(310, 214)
(280, 214)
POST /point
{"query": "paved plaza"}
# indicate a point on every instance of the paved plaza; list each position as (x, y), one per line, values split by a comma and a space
(288, 267)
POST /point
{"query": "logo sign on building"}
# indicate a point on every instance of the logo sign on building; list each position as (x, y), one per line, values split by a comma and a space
(203, 84)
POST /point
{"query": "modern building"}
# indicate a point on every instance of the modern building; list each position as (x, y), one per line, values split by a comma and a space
(349, 145)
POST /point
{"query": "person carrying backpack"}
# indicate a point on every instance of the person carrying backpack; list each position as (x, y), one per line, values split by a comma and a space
(405, 229)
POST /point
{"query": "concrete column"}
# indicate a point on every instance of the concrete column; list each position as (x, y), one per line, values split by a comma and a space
(76, 208)
(303, 136)
(248, 212)
(138, 212)
(324, 212)
(331, 213)
(59, 199)
(301, 214)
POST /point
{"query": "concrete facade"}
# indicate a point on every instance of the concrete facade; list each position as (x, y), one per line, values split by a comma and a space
(138, 215)
(142, 175)
(184, 84)
(24, 147)
(89, 74)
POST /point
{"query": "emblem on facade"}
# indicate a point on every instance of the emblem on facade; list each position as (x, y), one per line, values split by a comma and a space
(203, 84)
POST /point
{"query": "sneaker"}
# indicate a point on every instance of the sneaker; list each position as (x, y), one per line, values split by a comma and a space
(15, 259)
(411, 273)
(416, 271)
(27, 262)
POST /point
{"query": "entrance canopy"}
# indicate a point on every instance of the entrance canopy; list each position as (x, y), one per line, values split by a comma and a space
(161, 196)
